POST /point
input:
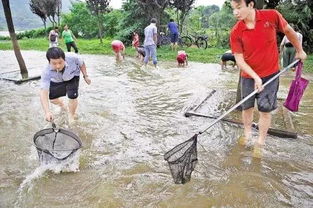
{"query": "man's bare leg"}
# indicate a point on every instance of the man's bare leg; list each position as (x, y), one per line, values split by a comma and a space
(247, 118)
(72, 105)
(175, 46)
(59, 102)
(264, 125)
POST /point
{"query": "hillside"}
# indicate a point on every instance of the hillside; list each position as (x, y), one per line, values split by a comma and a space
(23, 18)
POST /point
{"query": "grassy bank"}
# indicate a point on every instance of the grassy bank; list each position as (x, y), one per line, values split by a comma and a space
(210, 55)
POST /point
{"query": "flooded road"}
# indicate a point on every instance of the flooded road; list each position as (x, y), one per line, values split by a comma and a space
(128, 119)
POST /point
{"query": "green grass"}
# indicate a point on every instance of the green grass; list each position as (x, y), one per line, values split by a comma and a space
(210, 55)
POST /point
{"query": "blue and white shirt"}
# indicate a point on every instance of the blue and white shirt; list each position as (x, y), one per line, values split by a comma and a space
(72, 68)
(149, 32)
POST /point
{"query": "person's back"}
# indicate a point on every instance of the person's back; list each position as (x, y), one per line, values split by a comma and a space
(173, 27)
(150, 42)
(150, 31)
(227, 56)
(182, 58)
(288, 50)
(53, 38)
(118, 48)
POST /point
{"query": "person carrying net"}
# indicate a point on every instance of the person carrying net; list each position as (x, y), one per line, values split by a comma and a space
(254, 32)
(254, 45)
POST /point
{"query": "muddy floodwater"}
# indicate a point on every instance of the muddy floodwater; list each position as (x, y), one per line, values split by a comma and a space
(128, 118)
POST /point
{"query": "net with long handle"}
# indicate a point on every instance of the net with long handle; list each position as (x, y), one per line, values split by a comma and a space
(56, 144)
(182, 159)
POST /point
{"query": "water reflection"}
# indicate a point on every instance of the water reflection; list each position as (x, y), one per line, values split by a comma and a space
(128, 118)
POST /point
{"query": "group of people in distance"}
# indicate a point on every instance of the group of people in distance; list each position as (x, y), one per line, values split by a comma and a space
(253, 44)
(149, 48)
(67, 35)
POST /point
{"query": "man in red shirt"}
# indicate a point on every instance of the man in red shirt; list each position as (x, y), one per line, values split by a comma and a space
(254, 45)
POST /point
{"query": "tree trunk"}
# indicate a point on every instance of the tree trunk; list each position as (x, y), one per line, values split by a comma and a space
(100, 28)
(259, 4)
(16, 47)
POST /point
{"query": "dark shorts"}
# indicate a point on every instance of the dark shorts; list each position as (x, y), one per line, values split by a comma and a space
(141, 51)
(228, 57)
(174, 38)
(60, 89)
(266, 99)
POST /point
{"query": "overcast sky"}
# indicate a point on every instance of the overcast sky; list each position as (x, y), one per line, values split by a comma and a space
(116, 4)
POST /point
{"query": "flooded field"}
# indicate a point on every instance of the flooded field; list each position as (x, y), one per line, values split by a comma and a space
(128, 118)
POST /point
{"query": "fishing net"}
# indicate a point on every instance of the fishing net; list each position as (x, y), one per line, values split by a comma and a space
(56, 144)
(182, 160)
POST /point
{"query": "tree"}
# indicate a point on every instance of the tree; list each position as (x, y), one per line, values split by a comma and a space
(37, 8)
(300, 13)
(50, 7)
(47, 9)
(81, 21)
(16, 47)
(98, 8)
(182, 8)
(222, 21)
(154, 9)
(59, 10)
(134, 19)
(259, 4)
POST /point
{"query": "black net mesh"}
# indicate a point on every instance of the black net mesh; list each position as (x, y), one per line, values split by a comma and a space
(56, 144)
(182, 160)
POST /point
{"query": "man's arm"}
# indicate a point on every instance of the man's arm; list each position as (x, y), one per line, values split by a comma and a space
(281, 47)
(155, 38)
(73, 36)
(44, 98)
(85, 75)
(242, 64)
(293, 38)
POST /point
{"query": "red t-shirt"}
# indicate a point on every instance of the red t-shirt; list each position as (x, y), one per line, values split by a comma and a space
(117, 46)
(135, 40)
(259, 45)
(181, 58)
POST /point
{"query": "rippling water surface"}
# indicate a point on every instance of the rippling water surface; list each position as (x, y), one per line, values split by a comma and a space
(128, 118)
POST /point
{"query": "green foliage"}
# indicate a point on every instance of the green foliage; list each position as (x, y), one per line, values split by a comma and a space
(193, 21)
(80, 21)
(36, 33)
(222, 22)
(301, 15)
(198, 19)
(133, 19)
(111, 26)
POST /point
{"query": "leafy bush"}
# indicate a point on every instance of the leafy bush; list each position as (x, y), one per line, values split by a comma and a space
(302, 17)
(37, 33)
(80, 21)
(111, 26)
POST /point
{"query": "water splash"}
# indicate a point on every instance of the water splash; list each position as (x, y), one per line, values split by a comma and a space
(69, 165)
